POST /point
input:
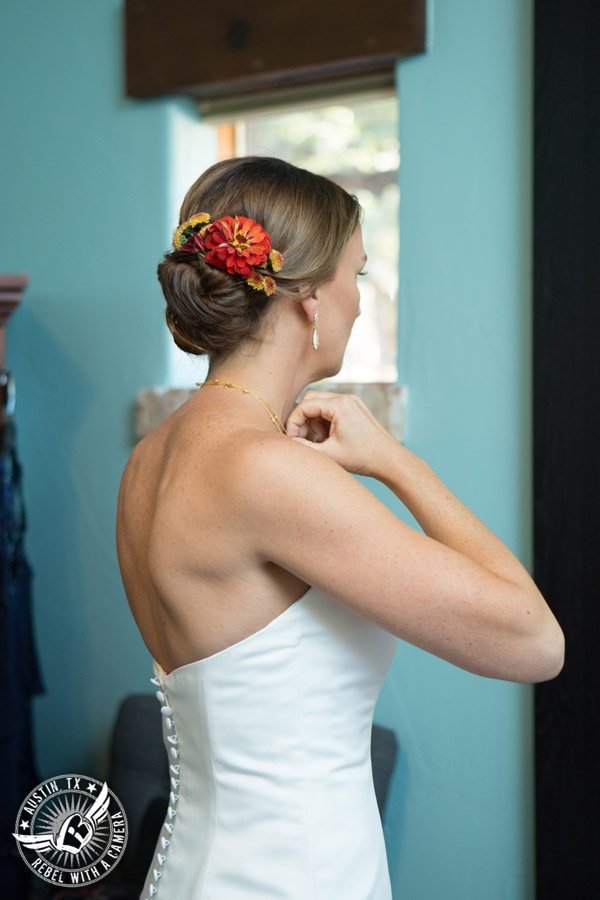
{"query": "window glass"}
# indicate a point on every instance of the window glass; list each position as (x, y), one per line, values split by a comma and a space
(355, 144)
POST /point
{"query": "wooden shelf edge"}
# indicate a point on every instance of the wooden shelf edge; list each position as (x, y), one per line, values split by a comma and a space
(11, 289)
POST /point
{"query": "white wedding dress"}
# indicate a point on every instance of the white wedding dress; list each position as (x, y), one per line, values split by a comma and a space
(268, 742)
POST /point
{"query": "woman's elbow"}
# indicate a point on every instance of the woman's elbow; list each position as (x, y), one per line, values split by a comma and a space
(537, 654)
(549, 654)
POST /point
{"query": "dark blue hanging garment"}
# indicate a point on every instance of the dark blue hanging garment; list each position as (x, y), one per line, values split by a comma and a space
(19, 669)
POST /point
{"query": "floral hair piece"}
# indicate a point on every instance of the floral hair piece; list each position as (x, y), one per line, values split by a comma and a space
(235, 244)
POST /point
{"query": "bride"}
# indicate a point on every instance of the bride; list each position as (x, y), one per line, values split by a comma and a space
(241, 532)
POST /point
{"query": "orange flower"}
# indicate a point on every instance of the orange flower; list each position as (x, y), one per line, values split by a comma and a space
(236, 244)
(257, 282)
(276, 260)
(270, 286)
(262, 283)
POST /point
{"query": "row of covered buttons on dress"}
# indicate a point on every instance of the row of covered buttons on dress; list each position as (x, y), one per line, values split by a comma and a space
(174, 769)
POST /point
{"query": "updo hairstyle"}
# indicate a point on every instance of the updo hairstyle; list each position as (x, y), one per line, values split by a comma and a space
(309, 218)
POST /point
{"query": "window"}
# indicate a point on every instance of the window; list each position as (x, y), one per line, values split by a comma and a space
(355, 144)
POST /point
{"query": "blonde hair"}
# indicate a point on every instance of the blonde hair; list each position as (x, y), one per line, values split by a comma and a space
(309, 218)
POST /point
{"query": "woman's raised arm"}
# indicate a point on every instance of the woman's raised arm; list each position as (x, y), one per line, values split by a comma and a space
(456, 591)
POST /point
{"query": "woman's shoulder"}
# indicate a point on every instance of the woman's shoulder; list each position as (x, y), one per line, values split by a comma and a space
(262, 458)
(273, 478)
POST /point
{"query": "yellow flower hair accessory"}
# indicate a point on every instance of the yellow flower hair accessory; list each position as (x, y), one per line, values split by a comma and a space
(262, 283)
(189, 228)
(276, 260)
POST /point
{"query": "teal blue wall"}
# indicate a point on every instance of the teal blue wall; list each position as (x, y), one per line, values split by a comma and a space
(87, 210)
(84, 212)
(460, 821)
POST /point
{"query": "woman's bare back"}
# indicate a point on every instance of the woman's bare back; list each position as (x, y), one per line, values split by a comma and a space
(193, 581)
(224, 523)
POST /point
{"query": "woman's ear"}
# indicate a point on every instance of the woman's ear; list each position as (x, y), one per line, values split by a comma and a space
(310, 305)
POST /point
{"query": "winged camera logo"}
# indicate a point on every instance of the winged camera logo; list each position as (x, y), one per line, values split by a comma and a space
(71, 830)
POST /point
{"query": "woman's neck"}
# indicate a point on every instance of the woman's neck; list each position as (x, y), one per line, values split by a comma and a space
(277, 376)
(278, 386)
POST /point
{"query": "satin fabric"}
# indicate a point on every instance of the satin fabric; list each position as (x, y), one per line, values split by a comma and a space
(269, 746)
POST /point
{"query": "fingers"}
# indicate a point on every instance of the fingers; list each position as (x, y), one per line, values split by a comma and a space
(343, 427)
(319, 429)
(313, 444)
(313, 431)
(314, 405)
(296, 424)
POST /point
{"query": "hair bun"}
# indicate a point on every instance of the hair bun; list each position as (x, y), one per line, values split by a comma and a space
(208, 311)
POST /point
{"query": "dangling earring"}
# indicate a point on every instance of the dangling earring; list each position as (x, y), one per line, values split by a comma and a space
(315, 334)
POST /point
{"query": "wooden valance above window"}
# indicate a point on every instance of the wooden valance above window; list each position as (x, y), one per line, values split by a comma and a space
(223, 53)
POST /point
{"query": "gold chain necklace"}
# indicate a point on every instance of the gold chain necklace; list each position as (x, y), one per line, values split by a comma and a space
(272, 414)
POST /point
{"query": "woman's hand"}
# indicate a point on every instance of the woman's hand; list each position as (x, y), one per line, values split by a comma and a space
(342, 427)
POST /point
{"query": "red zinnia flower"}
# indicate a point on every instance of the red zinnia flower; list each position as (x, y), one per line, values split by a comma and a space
(236, 244)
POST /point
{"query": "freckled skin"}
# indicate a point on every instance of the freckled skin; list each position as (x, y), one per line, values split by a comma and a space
(210, 498)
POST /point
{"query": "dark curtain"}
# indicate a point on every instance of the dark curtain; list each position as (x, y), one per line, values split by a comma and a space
(566, 440)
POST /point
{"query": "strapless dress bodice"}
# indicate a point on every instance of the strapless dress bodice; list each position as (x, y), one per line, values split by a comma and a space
(268, 743)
